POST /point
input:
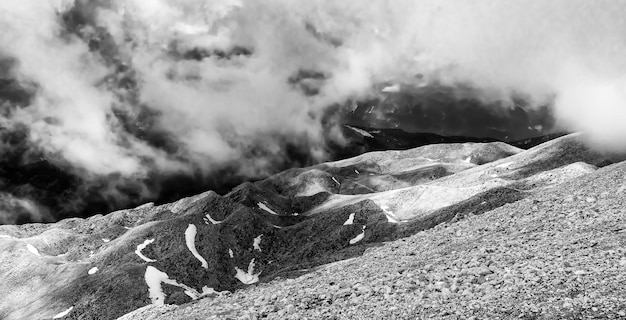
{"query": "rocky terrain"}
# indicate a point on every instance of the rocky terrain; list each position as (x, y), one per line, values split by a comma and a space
(458, 231)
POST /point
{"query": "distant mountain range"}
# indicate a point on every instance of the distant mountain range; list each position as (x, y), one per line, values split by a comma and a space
(361, 140)
(42, 191)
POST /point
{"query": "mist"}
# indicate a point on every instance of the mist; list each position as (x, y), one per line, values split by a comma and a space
(123, 92)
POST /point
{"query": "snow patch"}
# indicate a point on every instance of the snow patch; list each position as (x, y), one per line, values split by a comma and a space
(190, 240)
(263, 206)
(359, 237)
(33, 250)
(143, 246)
(257, 243)
(391, 89)
(64, 313)
(361, 131)
(206, 291)
(208, 219)
(191, 292)
(4, 236)
(106, 240)
(92, 271)
(350, 220)
(231, 254)
(468, 160)
(154, 277)
(247, 277)
(391, 217)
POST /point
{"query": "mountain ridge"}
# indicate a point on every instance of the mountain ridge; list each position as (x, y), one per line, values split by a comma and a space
(268, 229)
(42, 190)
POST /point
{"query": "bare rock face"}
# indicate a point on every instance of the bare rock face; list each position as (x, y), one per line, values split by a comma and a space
(209, 245)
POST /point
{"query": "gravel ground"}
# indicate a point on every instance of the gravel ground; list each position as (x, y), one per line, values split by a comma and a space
(559, 254)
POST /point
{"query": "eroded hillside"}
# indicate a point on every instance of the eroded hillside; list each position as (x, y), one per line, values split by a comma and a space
(209, 246)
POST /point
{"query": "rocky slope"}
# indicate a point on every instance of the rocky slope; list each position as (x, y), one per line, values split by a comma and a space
(507, 215)
(558, 254)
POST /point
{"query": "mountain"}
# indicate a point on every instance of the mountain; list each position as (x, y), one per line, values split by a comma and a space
(44, 190)
(362, 139)
(449, 110)
(303, 223)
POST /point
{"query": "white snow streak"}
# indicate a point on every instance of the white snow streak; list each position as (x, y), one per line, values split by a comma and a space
(92, 270)
(247, 277)
(266, 208)
(32, 249)
(210, 219)
(359, 237)
(64, 313)
(209, 291)
(190, 240)
(337, 182)
(257, 243)
(350, 220)
(230, 253)
(143, 246)
(391, 217)
(361, 131)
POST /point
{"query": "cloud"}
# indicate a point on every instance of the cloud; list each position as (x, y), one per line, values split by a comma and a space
(14, 210)
(139, 88)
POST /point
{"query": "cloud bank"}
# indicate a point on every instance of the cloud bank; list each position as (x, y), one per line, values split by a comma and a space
(134, 88)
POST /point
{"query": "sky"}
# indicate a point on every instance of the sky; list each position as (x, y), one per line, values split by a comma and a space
(130, 89)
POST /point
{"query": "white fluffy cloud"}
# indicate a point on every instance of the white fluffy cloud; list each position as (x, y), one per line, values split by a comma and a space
(566, 51)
